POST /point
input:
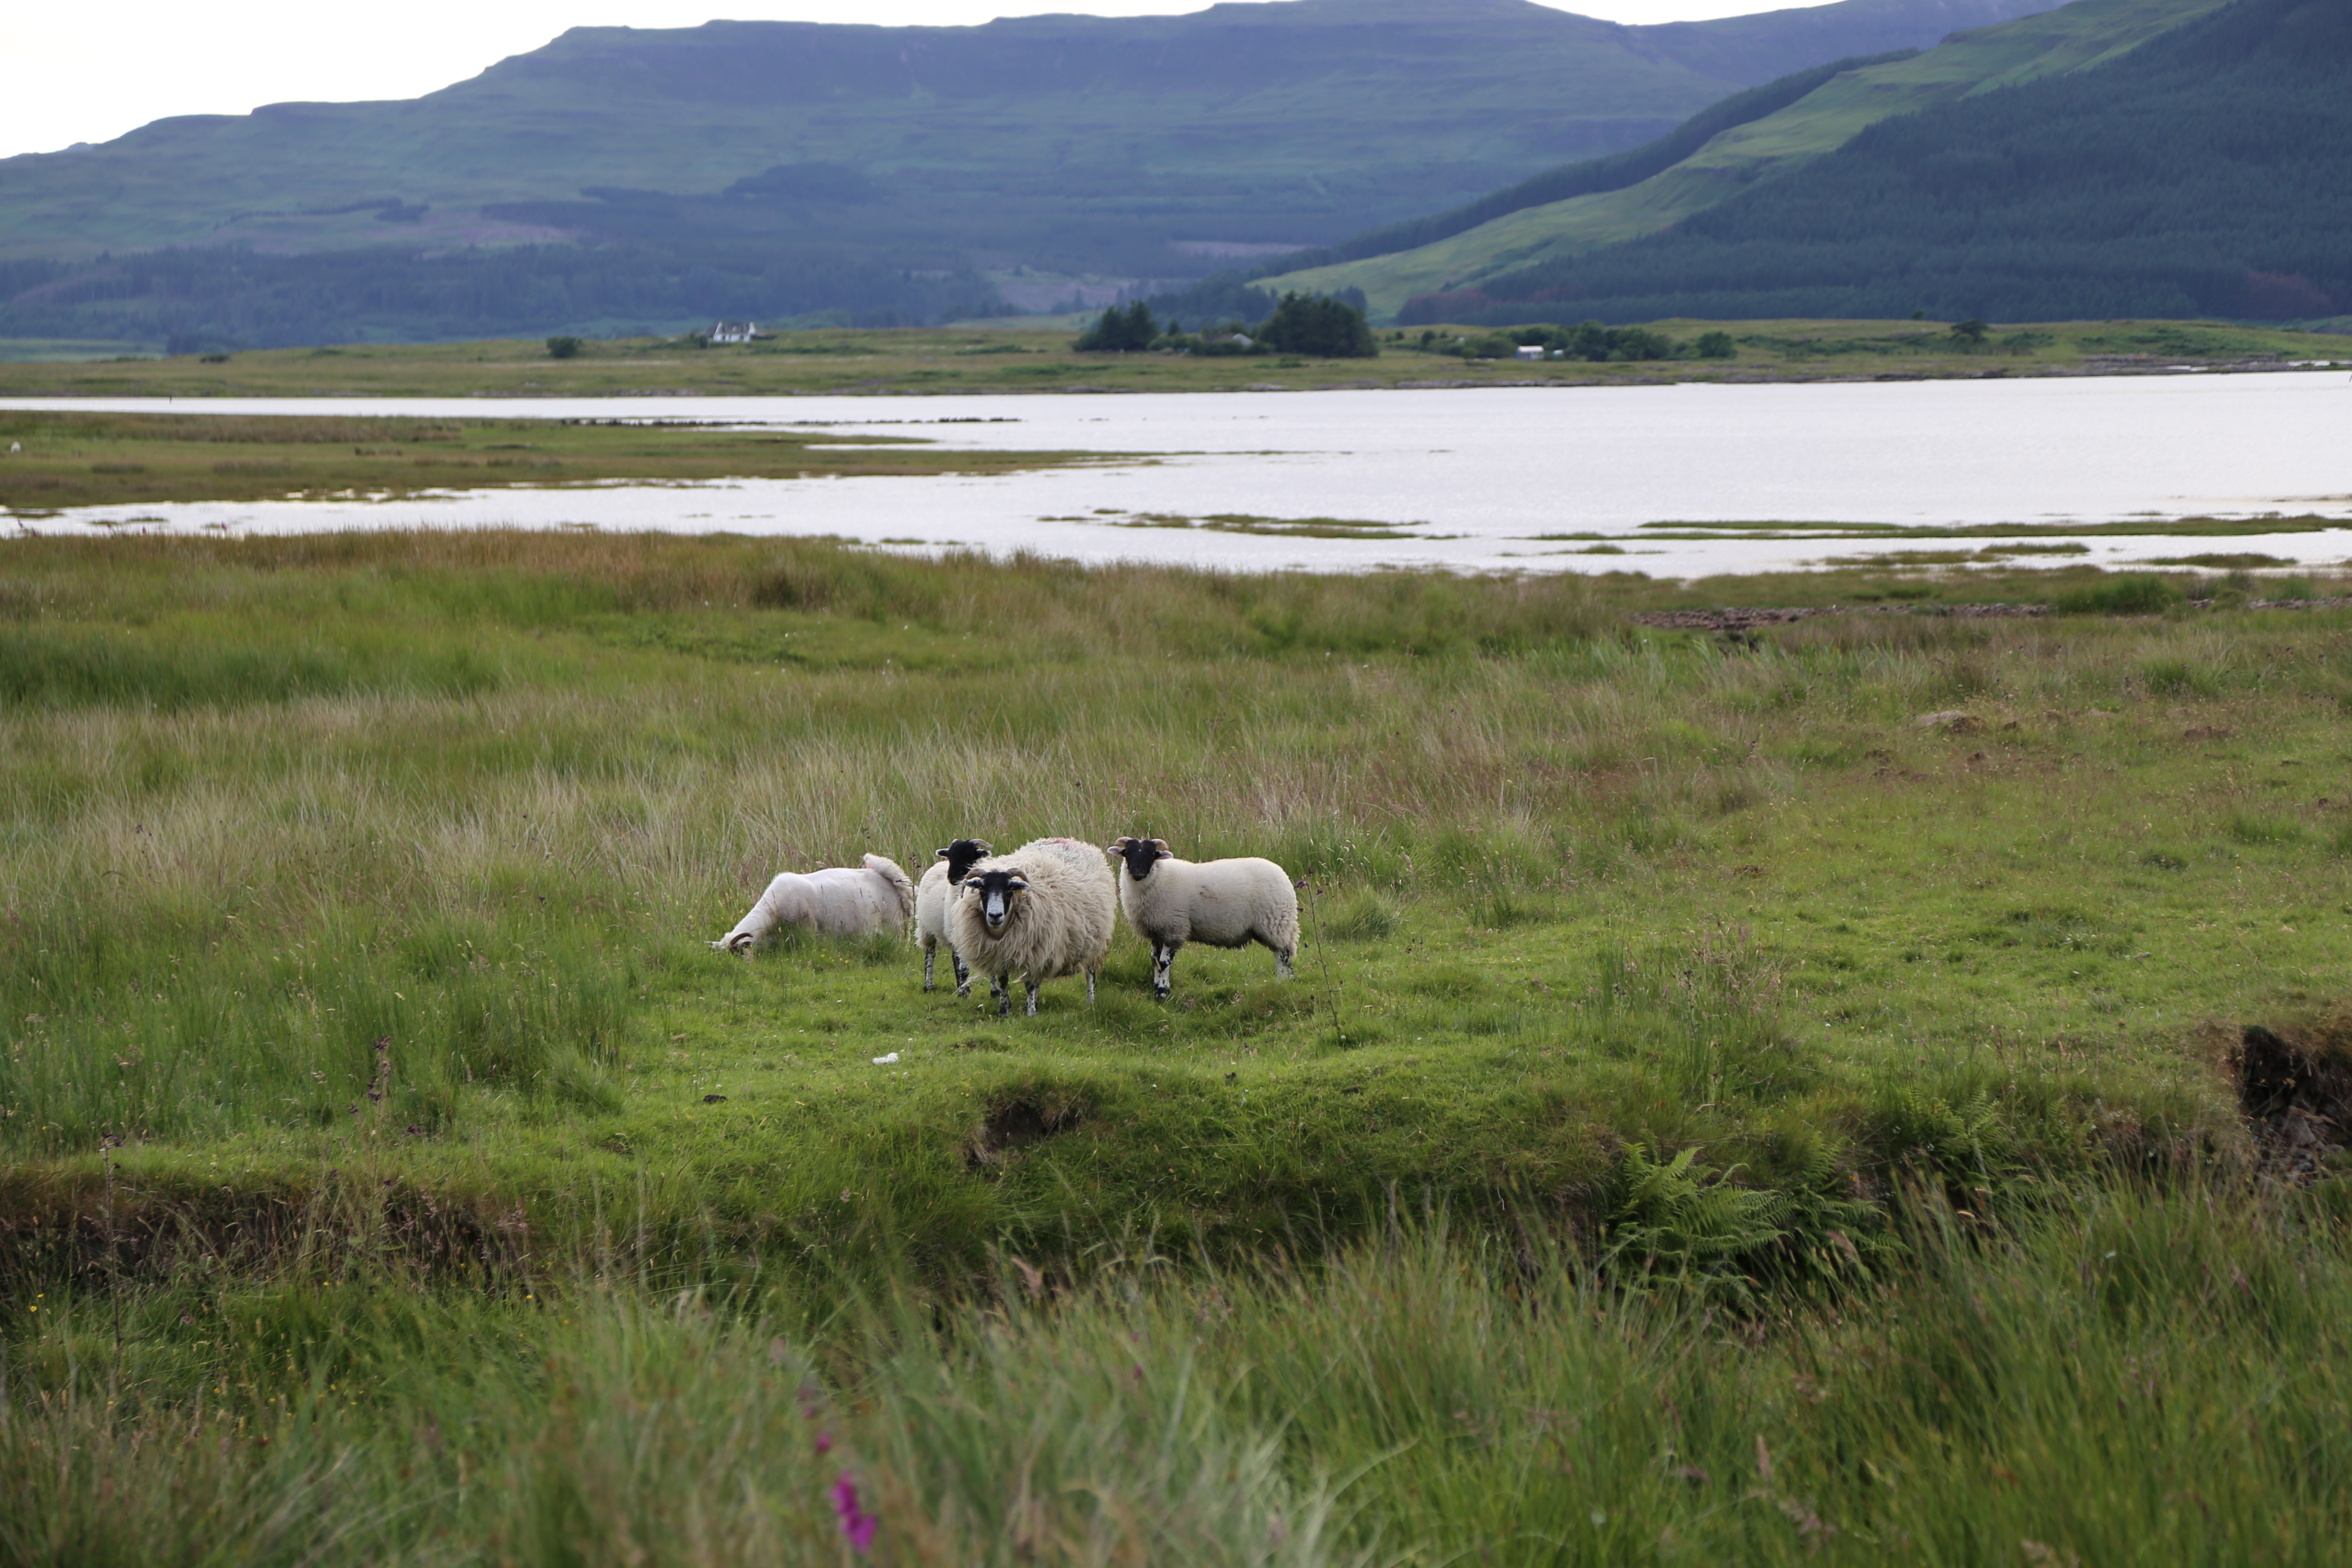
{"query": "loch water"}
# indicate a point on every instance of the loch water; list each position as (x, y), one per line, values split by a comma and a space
(1469, 479)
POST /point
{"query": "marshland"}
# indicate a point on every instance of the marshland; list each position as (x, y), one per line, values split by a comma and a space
(1751, 1095)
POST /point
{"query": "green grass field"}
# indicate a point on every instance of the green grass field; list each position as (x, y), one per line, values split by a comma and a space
(1719, 1116)
(997, 357)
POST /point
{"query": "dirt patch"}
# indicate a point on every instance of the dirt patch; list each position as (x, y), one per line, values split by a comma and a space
(2296, 1091)
(1742, 620)
(1015, 1125)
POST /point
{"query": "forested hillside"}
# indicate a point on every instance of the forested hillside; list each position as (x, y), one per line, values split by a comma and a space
(2199, 175)
(623, 177)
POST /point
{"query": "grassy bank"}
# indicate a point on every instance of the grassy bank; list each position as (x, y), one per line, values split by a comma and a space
(1002, 357)
(356, 896)
(56, 461)
(2133, 1378)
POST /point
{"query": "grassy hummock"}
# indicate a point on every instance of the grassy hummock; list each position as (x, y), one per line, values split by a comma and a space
(1744, 1096)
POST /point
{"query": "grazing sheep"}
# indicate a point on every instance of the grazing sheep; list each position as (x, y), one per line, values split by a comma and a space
(841, 900)
(940, 886)
(1043, 911)
(1226, 903)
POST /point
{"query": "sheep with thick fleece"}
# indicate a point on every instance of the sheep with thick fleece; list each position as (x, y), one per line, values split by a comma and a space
(1045, 910)
(1226, 903)
(841, 900)
(941, 886)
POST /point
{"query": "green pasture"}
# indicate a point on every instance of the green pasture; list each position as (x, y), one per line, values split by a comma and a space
(1006, 357)
(1742, 1097)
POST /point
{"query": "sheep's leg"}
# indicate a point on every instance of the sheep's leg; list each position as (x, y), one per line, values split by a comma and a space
(963, 972)
(1003, 994)
(931, 956)
(1032, 1009)
(1163, 961)
(1090, 987)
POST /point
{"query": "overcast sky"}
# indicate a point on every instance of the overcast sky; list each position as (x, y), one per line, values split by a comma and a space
(90, 72)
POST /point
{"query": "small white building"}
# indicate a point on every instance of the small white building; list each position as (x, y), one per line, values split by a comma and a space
(733, 332)
(1531, 350)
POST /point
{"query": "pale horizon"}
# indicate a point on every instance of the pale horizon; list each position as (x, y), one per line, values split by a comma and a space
(90, 75)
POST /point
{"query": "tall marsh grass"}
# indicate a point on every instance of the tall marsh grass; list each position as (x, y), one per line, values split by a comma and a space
(2134, 1378)
(394, 1176)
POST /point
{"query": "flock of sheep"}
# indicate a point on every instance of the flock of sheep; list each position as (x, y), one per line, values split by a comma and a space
(1041, 912)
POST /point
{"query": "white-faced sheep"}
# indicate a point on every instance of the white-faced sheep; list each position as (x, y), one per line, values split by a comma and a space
(941, 886)
(1226, 903)
(1045, 910)
(841, 900)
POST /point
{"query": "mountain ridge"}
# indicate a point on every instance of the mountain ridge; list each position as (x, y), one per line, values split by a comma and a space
(620, 178)
(2178, 178)
(2072, 37)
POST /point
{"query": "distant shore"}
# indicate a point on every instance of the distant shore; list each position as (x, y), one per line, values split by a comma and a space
(983, 358)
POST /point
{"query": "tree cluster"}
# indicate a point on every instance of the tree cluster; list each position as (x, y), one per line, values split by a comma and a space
(1130, 331)
(1320, 325)
(1323, 325)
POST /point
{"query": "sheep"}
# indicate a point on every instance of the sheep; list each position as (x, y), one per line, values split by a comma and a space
(1226, 903)
(940, 886)
(840, 900)
(1045, 910)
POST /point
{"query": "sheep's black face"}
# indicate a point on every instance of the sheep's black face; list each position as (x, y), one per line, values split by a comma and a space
(1141, 855)
(996, 891)
(963, 855)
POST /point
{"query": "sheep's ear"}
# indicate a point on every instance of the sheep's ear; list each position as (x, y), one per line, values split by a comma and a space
(943, 855)
(1017, 882)
(1162, 852)
(975, 881)
(1118, 845)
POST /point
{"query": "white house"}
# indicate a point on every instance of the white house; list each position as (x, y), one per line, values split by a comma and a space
(733, 332)
(1531, 350)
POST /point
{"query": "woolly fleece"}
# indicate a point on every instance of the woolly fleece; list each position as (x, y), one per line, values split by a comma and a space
(1062, 925)
(840, 900)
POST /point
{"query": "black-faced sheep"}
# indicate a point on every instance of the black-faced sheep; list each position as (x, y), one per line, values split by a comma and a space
(1045, 910)
(940, 886)
(1226, 903)
(841, 900)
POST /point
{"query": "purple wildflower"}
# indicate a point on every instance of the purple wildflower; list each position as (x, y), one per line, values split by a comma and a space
(857, 1525)
(823, 1442)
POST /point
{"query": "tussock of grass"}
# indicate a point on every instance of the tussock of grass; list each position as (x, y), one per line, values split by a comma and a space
(2132, 593)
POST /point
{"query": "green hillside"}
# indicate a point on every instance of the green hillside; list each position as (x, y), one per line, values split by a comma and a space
(623, 176)
(2188, 177)
(2078, 35)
